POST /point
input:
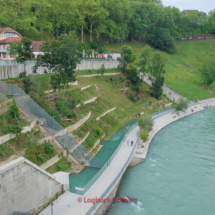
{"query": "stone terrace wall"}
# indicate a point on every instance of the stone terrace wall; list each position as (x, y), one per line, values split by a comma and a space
(25, 187)
(13, 71)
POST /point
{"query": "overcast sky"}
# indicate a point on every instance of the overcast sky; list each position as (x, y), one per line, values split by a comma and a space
(201, 5)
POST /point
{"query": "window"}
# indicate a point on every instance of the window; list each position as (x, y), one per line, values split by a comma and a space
(4, 46)
(9, 34)
(4, 55)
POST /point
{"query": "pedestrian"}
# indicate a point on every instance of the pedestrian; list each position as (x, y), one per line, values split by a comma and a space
(127, 142)
(132, 143)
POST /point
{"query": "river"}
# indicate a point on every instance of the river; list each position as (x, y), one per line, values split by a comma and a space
(178, 175)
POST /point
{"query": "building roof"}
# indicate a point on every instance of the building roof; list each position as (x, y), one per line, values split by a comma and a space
(6, 29)
(36, 46)
(11, 39)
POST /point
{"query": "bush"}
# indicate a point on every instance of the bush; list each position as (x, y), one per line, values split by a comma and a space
(195, 99)
(13, 110)
(102, 69)
(101, 50)
(94, 45)
(98, 131)
(132, 98)
(146, 122)
(182, 104)
(27, 84)
(71, 104)
(144, 135)
(22, 74)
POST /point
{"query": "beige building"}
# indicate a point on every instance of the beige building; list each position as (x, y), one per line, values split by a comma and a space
(9, 35)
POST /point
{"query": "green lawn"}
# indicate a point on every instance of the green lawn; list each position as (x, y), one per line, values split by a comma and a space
(182, 68)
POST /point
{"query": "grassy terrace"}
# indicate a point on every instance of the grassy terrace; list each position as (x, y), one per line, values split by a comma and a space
(182, 68)
(108, 97)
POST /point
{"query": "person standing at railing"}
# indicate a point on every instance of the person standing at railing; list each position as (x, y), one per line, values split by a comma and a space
(132, 143)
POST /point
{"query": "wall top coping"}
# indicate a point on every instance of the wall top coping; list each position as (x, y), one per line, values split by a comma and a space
(21, 160)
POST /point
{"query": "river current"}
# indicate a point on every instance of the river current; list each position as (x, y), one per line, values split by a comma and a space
(178, 175)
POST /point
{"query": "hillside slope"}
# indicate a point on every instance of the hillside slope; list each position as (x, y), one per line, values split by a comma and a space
(182, 68)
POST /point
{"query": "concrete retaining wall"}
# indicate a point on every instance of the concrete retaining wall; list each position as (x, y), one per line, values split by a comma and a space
(79, 123)
(26, 187)
(170, 93)
(87, 102)
(14, 71)
(10, 136)
(52, 161)
(98, 118)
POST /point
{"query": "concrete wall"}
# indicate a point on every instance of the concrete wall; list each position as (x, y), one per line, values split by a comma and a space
(98, 118)
(170, 93)
(10, 136)
(13, 71)
(53, 160)
(26, 187)
(79, 123)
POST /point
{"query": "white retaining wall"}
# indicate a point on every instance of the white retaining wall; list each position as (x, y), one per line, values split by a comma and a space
(25, 187)
(98, 118)
(79, 123)
(10, 136)
(14, 71)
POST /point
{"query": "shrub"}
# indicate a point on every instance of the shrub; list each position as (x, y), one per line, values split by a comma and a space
(27, 84)
(144, 135)
(182, 104)
(195, 98)
(146, 122)
(71, 104)
(98, 131)
(22, 74)
(13, 110)
(132, 98)
(101, 50)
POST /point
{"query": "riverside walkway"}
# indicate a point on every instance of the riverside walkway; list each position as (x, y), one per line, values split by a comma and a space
(68, 203)
(165, 120)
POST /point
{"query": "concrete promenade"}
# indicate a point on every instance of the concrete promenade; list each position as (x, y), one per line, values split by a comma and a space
(67, 204)
(165, 120)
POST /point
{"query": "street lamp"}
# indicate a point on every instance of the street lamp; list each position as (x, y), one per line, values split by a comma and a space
(109, 156)
(52, 207)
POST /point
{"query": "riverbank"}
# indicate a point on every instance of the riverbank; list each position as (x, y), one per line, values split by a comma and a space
(161, 122)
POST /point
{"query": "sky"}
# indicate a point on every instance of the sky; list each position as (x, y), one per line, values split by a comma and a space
(201, 5)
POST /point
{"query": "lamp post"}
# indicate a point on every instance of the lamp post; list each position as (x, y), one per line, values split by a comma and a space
(109, 156)
(52, 207)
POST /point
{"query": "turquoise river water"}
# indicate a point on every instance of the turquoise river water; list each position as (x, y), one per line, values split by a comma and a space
(178, 176)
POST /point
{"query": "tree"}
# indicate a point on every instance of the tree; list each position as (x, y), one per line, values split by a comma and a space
(46, 60)
(133, 75)
(144, 135)
(157, 70)
(182, 104)
(145, 122)
(16, 129)
(145, 58)
(14, 109)
(23, 49)
(207, 72)
(127, 57)
(211, 21)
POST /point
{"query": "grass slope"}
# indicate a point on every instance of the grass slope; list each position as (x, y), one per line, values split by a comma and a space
(182, 68)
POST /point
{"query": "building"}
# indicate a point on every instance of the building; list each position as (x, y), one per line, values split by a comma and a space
(188, 11)
(9, 35)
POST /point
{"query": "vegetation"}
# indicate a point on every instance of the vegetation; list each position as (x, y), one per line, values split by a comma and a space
(207, 72)
(62, 165)
(146, 122)
(182, 104)
(144, 135)
(182, 68)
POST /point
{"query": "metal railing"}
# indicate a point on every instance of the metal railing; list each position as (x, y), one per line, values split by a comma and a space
(15, 63)
(19, 213)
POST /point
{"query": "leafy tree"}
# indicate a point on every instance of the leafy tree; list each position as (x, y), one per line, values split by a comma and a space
(102, 69)
(127, 57)
(101, 49)
(211, 21)
(156, 69)
(145, 58)
(163, 41)
(207, 72)
(133, 75)
(23, 49)
(145, 122)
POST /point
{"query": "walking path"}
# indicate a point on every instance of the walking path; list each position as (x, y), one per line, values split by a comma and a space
(165, 120)
(68, 204)
(87, 76)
